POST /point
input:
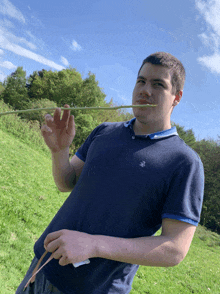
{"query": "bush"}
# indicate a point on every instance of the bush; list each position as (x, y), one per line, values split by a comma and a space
(28, 131)
(38, 116)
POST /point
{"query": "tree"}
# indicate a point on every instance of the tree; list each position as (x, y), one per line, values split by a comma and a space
(15, 92)
(187, 136)
(40, 115)
(1, 88)
(113, 115)
(209, 152)
(68, 87)
(60, 87)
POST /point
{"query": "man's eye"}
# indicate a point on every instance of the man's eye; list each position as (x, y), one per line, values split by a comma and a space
(159, 84)
(140, 81)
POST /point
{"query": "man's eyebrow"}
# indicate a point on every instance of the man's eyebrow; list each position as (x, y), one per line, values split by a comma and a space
(159, 80)
(154, 80)
(141, 78)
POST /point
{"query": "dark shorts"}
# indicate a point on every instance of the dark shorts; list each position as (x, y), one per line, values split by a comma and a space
(41, 284)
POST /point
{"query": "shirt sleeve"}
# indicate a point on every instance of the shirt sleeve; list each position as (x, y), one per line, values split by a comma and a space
(186, 191)
(82, 151)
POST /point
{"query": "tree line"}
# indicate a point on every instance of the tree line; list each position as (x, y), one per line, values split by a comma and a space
(55, 88)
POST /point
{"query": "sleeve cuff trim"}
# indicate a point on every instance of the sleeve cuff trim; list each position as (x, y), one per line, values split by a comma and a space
(80, 156)
(180, 218)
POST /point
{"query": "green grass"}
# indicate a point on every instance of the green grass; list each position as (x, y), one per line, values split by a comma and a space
(199, 272)
(29, 199)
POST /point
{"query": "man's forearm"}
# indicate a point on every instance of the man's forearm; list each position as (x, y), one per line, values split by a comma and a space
(63, 173)
(157, 251)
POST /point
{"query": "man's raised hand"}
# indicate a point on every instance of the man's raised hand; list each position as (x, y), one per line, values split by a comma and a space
(58, 133)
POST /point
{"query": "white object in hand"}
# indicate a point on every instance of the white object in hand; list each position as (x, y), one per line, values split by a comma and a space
(87, 261)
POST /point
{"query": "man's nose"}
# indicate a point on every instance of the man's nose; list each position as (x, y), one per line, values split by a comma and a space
(146, 90)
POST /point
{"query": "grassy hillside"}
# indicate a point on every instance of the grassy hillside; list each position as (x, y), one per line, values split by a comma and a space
(29, 199)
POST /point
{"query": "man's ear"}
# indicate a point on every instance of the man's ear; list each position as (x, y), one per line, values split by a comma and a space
(178, 97)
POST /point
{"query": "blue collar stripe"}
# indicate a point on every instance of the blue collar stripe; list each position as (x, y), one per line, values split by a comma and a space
(157, 135)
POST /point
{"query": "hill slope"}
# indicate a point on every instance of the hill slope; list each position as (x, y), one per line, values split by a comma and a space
(28, 201)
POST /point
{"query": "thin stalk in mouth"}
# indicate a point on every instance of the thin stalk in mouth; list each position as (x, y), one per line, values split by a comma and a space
(76, 108)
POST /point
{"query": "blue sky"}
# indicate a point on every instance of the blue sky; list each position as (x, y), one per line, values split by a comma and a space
(111, 39)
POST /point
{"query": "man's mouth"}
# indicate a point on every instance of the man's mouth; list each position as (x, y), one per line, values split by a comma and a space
(143, 101)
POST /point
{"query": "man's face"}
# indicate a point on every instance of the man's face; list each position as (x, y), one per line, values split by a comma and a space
(153, 86)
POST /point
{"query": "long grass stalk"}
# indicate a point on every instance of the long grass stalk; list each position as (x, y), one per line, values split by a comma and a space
(76, 108)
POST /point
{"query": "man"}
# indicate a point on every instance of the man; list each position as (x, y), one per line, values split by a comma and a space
(126, 181)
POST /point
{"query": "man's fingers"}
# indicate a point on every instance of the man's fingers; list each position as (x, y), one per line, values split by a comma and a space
(48, 117)
(49, 120)
(56, 118)
(63, 261)
(71, 126)
(52, 236)
(57, 254)
(66, 114)
(57, 114)
(46, 129)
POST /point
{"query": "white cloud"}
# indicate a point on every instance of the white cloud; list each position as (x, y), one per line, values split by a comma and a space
(6, 23)
(64, 61)
(36, 21)
(8, 65)
(7, 8)
(16, 44)
(8, 40)
(31, 35)
(75, 46)
(5, 44)
(38, 43)
(29, 44)
(14, 39)
(212, 62)
(210, 40)
(210, 10)
(2, 76)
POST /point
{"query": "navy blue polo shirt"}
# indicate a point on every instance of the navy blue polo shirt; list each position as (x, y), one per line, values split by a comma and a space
(128, 184)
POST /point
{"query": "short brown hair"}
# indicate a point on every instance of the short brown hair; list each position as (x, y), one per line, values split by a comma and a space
(176, 68)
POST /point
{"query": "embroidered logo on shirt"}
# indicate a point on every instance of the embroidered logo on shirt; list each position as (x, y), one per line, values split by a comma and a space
(142, 164)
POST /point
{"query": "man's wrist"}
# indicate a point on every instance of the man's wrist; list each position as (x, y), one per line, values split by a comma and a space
(60, 152)
(95, 243)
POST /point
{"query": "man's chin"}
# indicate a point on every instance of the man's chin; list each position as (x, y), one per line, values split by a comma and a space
(143, 119)
(141, 112)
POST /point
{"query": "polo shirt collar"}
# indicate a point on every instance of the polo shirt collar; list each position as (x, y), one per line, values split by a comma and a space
(157, 135)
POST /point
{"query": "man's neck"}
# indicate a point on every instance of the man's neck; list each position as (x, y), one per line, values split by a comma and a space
(145, 129)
